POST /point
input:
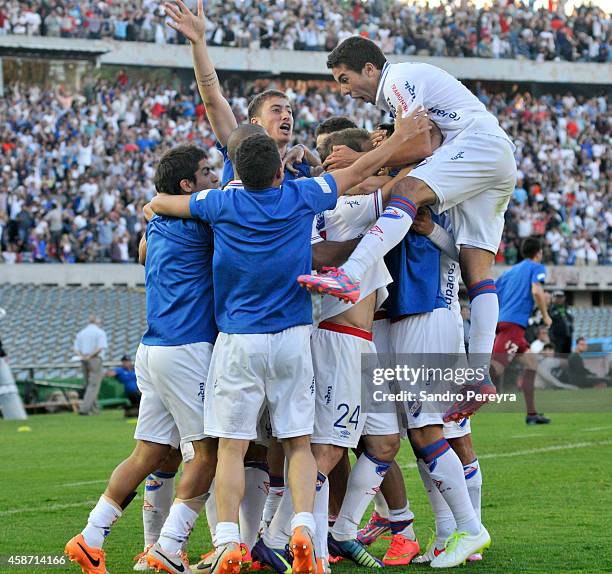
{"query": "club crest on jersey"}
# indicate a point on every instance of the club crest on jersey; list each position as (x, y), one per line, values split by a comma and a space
(415, 409)
(392, 213)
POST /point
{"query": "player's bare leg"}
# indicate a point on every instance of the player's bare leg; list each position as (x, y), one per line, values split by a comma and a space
(86, 547)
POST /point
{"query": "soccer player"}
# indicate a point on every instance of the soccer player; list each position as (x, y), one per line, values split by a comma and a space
(328, 127)
(262, 355)
(270, 109)
(171, 369)
(518, 289)
(472, 176)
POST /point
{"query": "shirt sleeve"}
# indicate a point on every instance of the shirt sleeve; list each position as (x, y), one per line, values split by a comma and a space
(403, 88)
(205, 204)
(315, 236)
(319, 193)
(361, 211)
(102, 342)
(538, 274)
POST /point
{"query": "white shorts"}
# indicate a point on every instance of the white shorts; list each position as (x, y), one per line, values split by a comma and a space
(473, 177)
(457, 429)
(172, 382)
(251, 371)
(340, 358)
(435, 332)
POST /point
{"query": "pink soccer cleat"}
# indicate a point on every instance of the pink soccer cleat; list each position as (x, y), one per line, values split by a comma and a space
(334, 282)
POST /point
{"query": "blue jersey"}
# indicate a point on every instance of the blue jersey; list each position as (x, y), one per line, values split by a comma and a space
(179, 283)
(262, 243)
(514, 291)
(127, 378)
(414, 265)
(228, 169)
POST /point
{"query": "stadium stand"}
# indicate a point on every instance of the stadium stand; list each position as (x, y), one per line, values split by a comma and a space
(459, 29)
(42, 321)
(78, 167)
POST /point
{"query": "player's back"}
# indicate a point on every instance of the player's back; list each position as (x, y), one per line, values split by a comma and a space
(450, 104)
(179, 282)
(261, 246)
(514, 291)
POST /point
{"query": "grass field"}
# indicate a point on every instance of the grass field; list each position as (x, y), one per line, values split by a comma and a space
(547, 490)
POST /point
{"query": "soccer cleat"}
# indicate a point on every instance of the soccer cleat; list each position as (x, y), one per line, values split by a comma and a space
(537, 419)
(91, 560)
(278, 559)
(334, 282)
(483, 392)
(301, 546)
(353, 550)
(475, 557)
(335, 559)
(209, 559)
(435, 547)
(376, 526)
(460, 546)
(161, 561)
(401, 551)
(141, 560)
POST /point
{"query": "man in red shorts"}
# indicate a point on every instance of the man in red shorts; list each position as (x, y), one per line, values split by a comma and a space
(517, 290)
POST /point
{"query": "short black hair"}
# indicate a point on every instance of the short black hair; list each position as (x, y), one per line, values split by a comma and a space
(354, 53)
(580, 339)
(548, 346)
(354, 138)
(259, 100)
(530, 247)
(257, 161)
(175, 165)
(238, 135)
(334, 124)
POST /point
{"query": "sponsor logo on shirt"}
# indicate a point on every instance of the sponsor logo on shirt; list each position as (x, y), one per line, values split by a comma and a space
(458, 156)
(328, 395)
(320, 221)
(411, 89)
(353, 203)
(444, 114)
(399, 97)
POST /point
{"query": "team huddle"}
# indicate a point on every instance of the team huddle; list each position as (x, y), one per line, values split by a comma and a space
(254, 384)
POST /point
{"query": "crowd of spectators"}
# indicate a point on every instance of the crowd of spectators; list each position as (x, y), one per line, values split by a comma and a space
(77, 168)
(501, 29)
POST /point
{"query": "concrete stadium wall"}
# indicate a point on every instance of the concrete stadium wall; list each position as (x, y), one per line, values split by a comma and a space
(291, 62)
(587, 279)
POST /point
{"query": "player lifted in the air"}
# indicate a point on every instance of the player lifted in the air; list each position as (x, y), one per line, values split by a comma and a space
(471, 176)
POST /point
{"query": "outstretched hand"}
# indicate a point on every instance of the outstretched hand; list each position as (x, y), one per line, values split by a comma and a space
(409, 127)
(342, 156)
(183, 20)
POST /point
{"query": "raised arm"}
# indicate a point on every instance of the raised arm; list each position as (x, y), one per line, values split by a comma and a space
(171, 205)
(406, 128)
(193, 27)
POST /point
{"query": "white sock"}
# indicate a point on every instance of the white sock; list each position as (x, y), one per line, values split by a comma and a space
(473, 480)
(446, 472)
(158, 496)
(279, 531)
(252, 505)
(104, 514)
(364, 482)
(177, 527)
(401, 520)
(211, 513)
(445, 521)
(484, 312)
(227, 532)
(321, 506)
(275, 494)
(304, 519)
(380, 505)
(390, 228)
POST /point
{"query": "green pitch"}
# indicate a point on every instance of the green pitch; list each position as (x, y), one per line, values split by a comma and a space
(546, 498)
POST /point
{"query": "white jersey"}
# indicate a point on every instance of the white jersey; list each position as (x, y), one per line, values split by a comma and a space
(351, 218)
(453, 108)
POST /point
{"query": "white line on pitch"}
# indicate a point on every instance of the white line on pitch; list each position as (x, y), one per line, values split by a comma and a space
(594, 429)
(525, 435)
(52, 507)
(82, 483)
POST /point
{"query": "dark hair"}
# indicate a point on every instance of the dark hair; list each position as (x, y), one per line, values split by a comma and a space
(259, 100)
(175, 165)
(354, 138)
(257, 161)
(548, 346)
(334, 124)
(239, 134)
(580, 339)
(530, 247)
(389, 128)
(354, 53)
